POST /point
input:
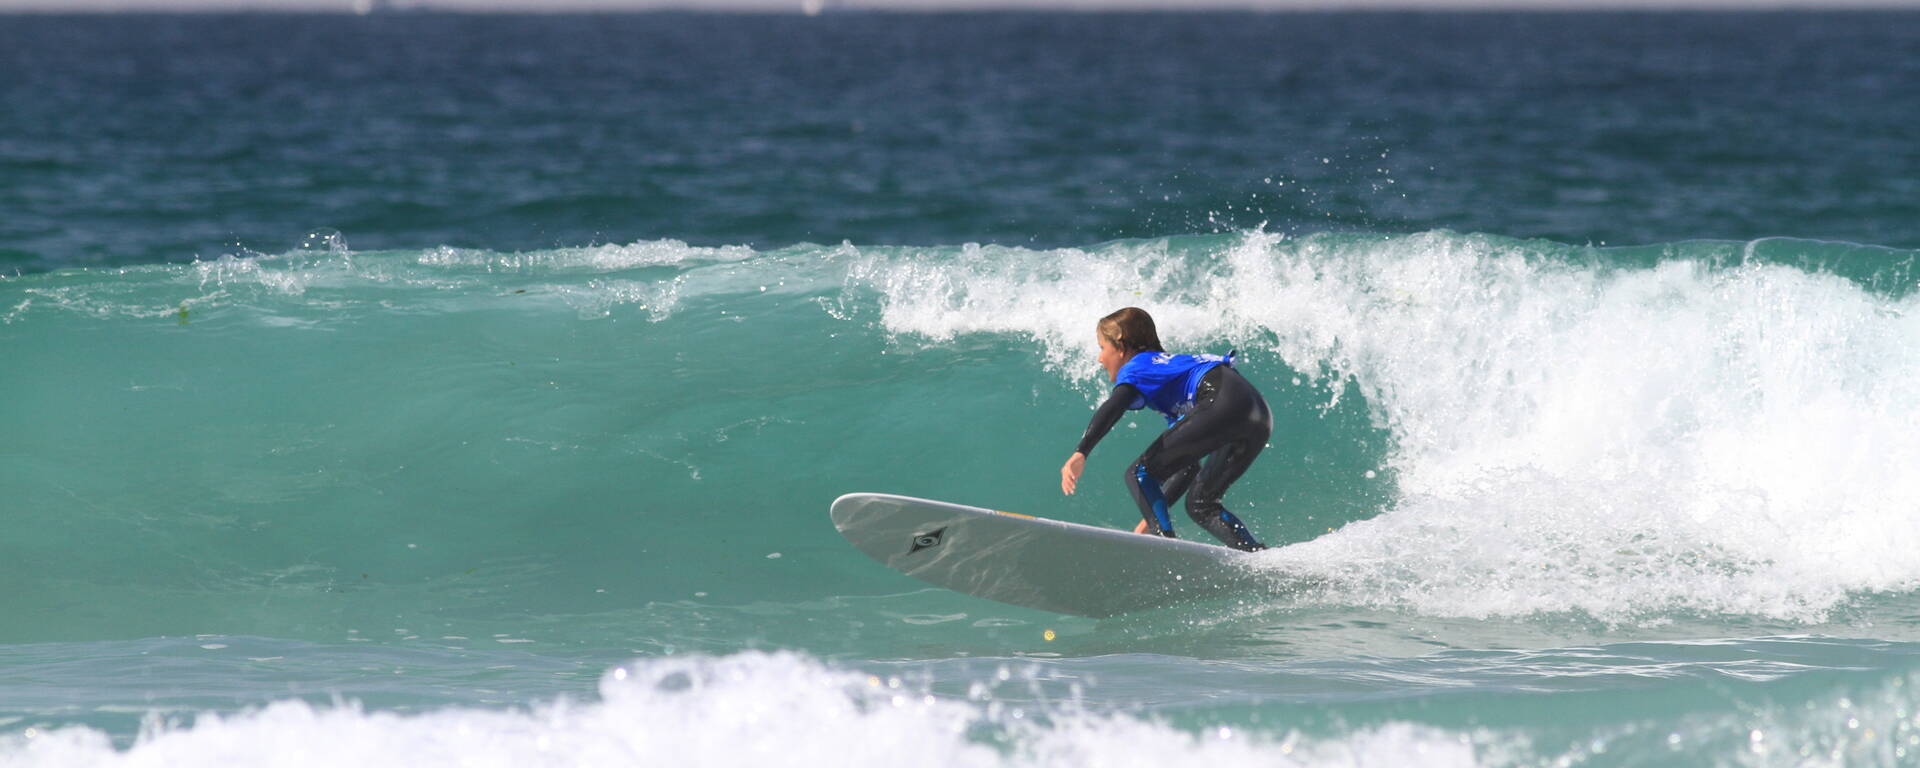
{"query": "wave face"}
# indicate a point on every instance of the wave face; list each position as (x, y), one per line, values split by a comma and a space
(466, 466)
(1489, 427)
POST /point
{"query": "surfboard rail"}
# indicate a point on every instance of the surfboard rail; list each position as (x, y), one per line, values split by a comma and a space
(1035, 562)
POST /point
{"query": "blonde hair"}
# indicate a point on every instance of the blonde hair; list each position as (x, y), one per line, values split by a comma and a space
(1131, 330)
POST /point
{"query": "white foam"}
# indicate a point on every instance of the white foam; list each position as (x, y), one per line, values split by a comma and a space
(1568, 435)
(654, 276)
(1052, 297)
(328, 275)
(592, 259)
(752, 709)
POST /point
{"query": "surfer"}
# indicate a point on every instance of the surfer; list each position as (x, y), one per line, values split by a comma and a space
(1213, 413)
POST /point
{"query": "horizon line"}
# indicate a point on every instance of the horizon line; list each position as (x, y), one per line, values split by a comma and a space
(609, 7)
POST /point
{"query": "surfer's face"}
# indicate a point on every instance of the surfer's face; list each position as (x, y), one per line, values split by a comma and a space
(1111, 358)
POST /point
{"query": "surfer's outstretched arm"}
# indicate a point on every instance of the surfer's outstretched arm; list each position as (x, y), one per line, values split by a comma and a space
(1108, 414)
(1123, 398)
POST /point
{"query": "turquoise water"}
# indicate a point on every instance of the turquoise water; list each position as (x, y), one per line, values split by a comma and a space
(432, 389)
(1606, 505)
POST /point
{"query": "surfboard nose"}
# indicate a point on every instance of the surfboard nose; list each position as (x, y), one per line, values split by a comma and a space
(850, 506)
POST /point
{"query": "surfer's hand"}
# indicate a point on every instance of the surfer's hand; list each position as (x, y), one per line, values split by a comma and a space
(1070, 472)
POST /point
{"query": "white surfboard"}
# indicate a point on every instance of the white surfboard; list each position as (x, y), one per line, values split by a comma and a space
(1038, 563)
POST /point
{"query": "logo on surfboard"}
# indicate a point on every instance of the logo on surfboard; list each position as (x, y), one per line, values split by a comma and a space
(926, 540)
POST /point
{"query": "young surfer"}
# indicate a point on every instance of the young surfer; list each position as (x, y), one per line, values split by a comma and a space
(1212, 412)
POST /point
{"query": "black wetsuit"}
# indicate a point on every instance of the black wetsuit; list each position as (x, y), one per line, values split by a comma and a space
(1228, 426)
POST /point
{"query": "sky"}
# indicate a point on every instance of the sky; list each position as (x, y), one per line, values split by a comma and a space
(910, 5)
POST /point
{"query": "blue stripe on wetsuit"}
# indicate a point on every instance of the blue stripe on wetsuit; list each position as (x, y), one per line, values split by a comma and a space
(1159, 500)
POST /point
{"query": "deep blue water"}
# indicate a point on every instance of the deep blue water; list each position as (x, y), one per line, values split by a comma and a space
(146, 139)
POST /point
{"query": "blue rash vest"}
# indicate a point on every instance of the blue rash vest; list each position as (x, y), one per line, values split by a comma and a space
(1167, 381)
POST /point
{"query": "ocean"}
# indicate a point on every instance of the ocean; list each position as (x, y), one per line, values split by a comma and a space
(428, 389)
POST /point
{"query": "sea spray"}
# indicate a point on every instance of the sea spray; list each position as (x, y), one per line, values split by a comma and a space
(1697, 433)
